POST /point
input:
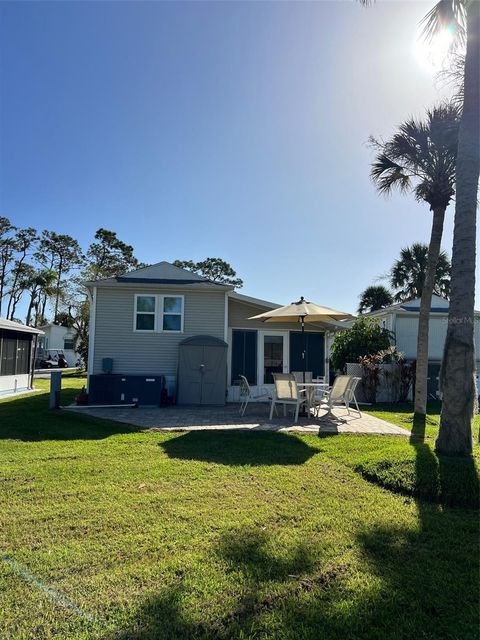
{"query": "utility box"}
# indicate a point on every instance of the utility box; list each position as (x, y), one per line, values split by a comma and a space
(122, 389)
(55, 389)
(107, 365)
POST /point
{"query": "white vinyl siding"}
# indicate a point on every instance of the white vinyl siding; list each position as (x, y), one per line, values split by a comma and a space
(150, 352)
(406, 331)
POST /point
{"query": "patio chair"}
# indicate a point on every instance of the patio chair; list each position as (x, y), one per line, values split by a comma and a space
(287, 393)
(247, 396)
(342, 393)
(299, 376)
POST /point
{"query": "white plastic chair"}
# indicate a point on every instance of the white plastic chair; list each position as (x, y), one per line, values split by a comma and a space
(341, 393)
(247, 396)
(299, 376)
(287, 393)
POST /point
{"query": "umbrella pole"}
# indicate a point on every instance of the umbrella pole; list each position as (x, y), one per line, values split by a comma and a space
(303, 349)
(304, 362)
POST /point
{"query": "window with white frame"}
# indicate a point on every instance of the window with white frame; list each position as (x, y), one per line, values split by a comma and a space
(158, 313)
(172, 315)
(68, 343)
(145, 313)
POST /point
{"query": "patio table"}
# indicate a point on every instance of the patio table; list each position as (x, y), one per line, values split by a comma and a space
(310, 388)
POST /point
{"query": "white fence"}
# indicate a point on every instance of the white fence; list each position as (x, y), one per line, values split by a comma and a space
(388, 389)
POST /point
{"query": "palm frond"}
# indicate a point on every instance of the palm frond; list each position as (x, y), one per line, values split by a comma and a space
(388, 175)
(420, 156)
(453, 74)
(447, 15)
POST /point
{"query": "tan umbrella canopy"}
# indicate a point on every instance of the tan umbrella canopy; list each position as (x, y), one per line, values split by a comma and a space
(303, 311)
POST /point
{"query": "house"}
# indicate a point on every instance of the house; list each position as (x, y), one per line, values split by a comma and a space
(402, 320)
(164, 327)
(17, 347)
(58, 338)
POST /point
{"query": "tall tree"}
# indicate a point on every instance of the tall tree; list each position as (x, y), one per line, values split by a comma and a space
(108, 256)
(7, 252)
(407, 275)
(24, 242)
(458, 367)
(79, 319)
(215, 269)
(374, 298)
(37, 282)
(462, 18)
(421, 158)
(59, 252)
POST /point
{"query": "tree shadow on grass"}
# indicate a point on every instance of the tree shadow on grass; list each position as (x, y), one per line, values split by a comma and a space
(430, 572)
(271, 588)
(29, 418)
(239, 448)
(429, 585)
(414, 583)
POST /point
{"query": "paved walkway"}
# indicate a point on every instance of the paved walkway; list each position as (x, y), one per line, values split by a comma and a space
(256, 417)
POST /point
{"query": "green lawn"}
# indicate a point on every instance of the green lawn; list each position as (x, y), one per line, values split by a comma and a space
(110, 533)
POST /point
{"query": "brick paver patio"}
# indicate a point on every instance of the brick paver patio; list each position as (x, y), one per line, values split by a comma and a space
(256, 417)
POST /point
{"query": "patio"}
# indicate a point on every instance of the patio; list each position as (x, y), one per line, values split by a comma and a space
(197, 418)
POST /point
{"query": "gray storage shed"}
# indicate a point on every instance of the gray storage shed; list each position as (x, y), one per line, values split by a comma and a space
(202, 371)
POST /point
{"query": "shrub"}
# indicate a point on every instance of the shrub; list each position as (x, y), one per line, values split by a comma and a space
(365, 338)
(407, 378)
(370, 375)
(391, 355)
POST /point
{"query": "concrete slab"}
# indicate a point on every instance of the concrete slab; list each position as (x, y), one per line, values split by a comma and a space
(256, 417)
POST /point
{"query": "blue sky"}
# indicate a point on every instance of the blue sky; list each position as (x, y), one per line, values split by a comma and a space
(216, 129)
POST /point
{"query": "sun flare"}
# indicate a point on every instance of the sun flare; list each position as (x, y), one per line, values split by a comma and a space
(431, 55)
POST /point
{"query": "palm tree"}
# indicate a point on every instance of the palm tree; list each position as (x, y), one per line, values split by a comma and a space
(421, 158)
(38, 283)
(408, 273)
(458, 367)
(462, 17)
(374, 298)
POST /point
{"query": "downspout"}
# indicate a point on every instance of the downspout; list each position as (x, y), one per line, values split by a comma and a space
(33, 355)
(91, 332)
(225, 327)
(225, 337)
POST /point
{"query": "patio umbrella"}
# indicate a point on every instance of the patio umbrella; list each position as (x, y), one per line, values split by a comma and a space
(303, 311)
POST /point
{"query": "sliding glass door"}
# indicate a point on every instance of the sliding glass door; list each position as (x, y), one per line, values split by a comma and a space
(273, 345)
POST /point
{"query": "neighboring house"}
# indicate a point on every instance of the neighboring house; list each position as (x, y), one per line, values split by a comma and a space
(59, 338)
(165, 321)
(402, 320)
(17, 346)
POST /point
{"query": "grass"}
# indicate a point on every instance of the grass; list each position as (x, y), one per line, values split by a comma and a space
(416, 470)
(223, 535)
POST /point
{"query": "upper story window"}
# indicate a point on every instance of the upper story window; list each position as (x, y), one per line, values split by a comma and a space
(145, 307)
(68, 343)
(158, 313)
(172, 313)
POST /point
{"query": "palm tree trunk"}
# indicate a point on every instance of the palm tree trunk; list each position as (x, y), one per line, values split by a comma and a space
(57, 291)
(30, 308)
(458, 367)
(2, 285)
(421, 373)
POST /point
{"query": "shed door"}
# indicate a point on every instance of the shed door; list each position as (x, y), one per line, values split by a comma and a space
(213, 375)
(202, 374)
(190, 383)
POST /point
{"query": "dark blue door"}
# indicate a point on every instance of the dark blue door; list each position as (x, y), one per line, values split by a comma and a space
(315, 352)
